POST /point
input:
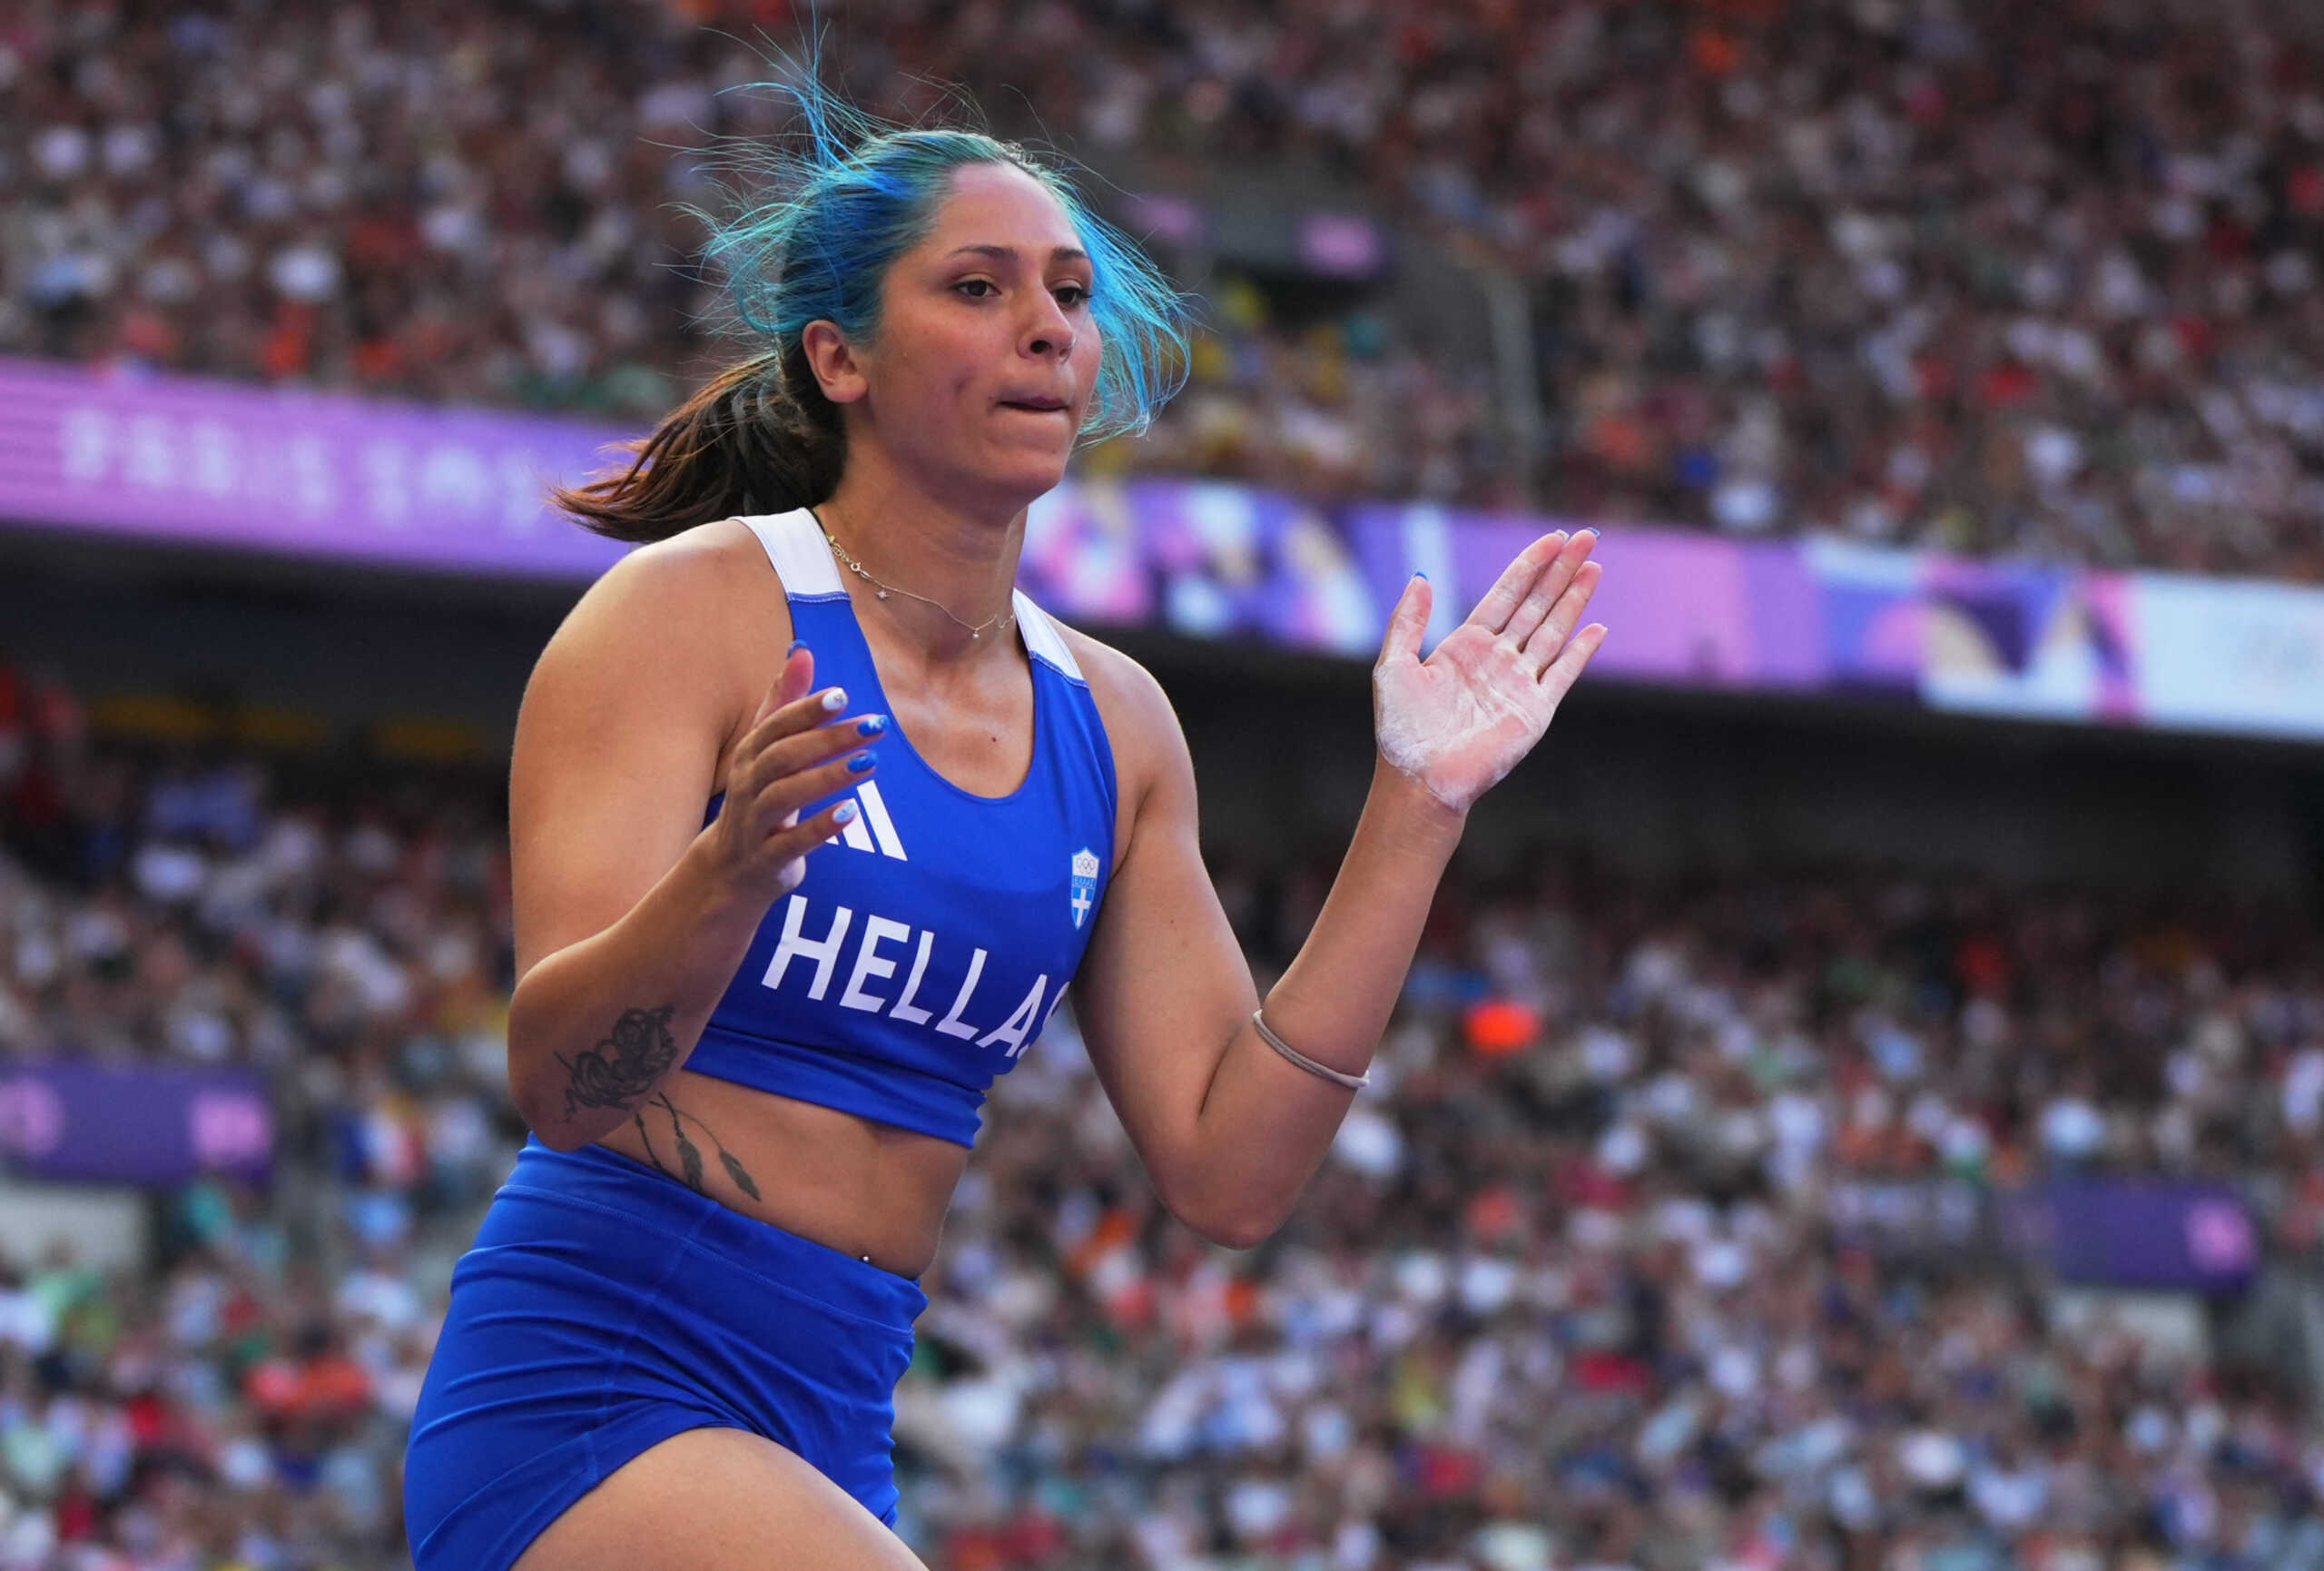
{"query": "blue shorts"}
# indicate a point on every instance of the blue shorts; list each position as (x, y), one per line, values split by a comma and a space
(604, 1309)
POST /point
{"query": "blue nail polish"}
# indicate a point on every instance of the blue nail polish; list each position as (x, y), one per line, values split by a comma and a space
(1592, 533)
(844, 813)
(870, 725)
(859, 762)
(796, 644)
(1421, 576)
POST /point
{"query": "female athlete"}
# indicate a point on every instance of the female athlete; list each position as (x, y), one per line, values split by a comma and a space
(752, 1075)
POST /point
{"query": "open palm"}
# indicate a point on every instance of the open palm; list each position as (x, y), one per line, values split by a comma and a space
(1460, 719)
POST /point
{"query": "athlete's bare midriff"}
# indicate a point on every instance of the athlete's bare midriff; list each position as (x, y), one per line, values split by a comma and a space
(857, 1186)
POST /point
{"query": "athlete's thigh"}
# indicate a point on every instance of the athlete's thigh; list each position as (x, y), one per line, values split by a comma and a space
(717, 1499)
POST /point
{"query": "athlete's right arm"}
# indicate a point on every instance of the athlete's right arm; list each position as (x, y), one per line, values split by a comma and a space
(630, 917)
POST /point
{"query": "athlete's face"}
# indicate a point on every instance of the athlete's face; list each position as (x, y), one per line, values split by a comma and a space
(987, 355)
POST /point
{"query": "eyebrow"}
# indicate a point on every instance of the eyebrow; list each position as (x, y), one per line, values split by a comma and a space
(1008, 253)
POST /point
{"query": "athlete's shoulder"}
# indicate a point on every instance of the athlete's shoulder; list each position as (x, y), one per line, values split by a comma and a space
(1140, 724)
(1115, 679)
(695, 588)
(710, 559)
(690, 613)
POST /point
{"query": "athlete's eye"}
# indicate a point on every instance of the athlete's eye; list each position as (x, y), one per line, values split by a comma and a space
(1072, 295)
(983, 283)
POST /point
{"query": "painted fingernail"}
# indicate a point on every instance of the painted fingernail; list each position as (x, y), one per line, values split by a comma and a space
(844, 813)
(859, 762)
(870, 725)
(1592, 533)
(796, 644)
(1421, 576)
(835, 700)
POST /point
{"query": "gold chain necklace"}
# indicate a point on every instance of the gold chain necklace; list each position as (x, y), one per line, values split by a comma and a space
(976, 629)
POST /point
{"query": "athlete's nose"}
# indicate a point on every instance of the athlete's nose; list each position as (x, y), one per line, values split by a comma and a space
(1051, 332)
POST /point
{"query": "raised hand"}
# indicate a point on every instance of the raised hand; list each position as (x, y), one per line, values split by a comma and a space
(1460, 720)
(791, 755)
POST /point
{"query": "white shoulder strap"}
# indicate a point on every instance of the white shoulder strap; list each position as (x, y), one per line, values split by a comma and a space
(794, 544)
(1042, 640)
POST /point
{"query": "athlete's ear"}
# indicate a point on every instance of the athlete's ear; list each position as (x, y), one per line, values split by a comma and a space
(838, 369)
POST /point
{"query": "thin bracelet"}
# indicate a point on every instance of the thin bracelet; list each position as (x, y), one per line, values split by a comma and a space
(1337, 1077)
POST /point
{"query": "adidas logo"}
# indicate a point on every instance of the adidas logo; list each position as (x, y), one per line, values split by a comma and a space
(871, 829)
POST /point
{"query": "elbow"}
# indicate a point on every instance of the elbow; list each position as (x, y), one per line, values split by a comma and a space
(532, 1107)
(555, 1134)
(544, 1114)
(1225, 1221)
(1238, 1232)
(537, 1102)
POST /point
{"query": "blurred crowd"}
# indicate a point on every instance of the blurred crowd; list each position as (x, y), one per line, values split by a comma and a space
(241, 1405)
(1993, 277)
(1593, 1278)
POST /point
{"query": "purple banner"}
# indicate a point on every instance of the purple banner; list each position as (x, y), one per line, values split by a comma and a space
(2137, 1233)
(217, 464)
(1680, 607)
(1206, 560)
(461, 491)
(2002, 638)
(88, 1122)
(2115, 1232)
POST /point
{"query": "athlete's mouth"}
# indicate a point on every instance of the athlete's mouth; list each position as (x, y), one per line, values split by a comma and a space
(1038, 405)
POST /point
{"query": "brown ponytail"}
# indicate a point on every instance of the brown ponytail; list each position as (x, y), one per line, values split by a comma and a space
(759, 438)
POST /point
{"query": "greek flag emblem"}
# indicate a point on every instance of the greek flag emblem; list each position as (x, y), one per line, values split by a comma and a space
(1085, 884)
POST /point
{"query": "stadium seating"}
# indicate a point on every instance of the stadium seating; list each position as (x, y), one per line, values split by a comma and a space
(2004, 279)
(1670, 1236)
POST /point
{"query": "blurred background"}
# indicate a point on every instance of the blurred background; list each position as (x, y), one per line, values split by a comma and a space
(1860, 1102)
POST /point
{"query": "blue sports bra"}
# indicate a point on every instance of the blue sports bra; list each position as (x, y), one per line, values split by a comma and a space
(930, 941)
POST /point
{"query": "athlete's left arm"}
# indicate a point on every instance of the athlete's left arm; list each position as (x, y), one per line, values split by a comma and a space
(1229, 1129)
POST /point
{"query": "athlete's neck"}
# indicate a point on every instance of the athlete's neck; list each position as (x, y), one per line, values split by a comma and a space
(958, 556)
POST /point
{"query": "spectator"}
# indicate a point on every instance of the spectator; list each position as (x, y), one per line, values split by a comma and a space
(1608, 1270)
(2002, 279)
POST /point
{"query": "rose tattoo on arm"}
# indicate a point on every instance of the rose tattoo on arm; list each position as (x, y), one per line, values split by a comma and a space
(619, 1070)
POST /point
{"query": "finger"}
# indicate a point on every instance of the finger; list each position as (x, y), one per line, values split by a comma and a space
(788, 847)
(794, 718)
(1500, 601)
(1408, 623)
(790, 755)
(798, 735)
(1547, 639)
(793, 679)
(1565, 669)
(1548, 586)
(791, 793)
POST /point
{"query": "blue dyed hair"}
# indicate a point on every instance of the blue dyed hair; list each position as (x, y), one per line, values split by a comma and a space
(834, 207)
